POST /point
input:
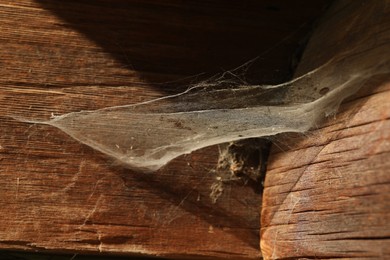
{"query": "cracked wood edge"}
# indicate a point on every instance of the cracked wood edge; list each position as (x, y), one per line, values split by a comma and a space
(327, 192)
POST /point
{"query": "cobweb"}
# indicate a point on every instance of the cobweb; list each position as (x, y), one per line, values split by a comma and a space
(146, 136)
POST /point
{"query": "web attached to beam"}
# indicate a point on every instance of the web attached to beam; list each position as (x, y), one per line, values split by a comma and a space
(146, 136)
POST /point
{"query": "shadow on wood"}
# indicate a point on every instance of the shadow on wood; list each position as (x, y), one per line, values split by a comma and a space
(178, 39)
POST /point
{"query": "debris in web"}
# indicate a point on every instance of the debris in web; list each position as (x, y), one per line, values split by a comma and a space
(146, 136)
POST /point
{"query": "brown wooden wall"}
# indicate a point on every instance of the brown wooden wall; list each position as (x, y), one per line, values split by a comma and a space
(60, 196)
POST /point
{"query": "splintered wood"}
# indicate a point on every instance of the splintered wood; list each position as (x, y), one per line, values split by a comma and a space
(327, 193)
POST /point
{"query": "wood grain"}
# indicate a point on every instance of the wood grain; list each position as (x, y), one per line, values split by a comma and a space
(62, 56)
(327, 192)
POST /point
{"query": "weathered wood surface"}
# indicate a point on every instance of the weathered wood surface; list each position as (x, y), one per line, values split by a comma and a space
(327, 193)
(62, 56)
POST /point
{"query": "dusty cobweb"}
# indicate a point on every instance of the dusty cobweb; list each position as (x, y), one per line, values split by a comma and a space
(147, 135)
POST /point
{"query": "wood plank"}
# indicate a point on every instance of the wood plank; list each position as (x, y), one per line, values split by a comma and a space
(62, 56)
(327, 191)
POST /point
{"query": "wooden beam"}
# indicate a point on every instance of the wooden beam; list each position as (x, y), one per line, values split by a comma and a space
(62, 56)
(327, 192)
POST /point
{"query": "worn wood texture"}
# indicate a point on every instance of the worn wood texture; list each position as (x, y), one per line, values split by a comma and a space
(62, 56)
(327, 193)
